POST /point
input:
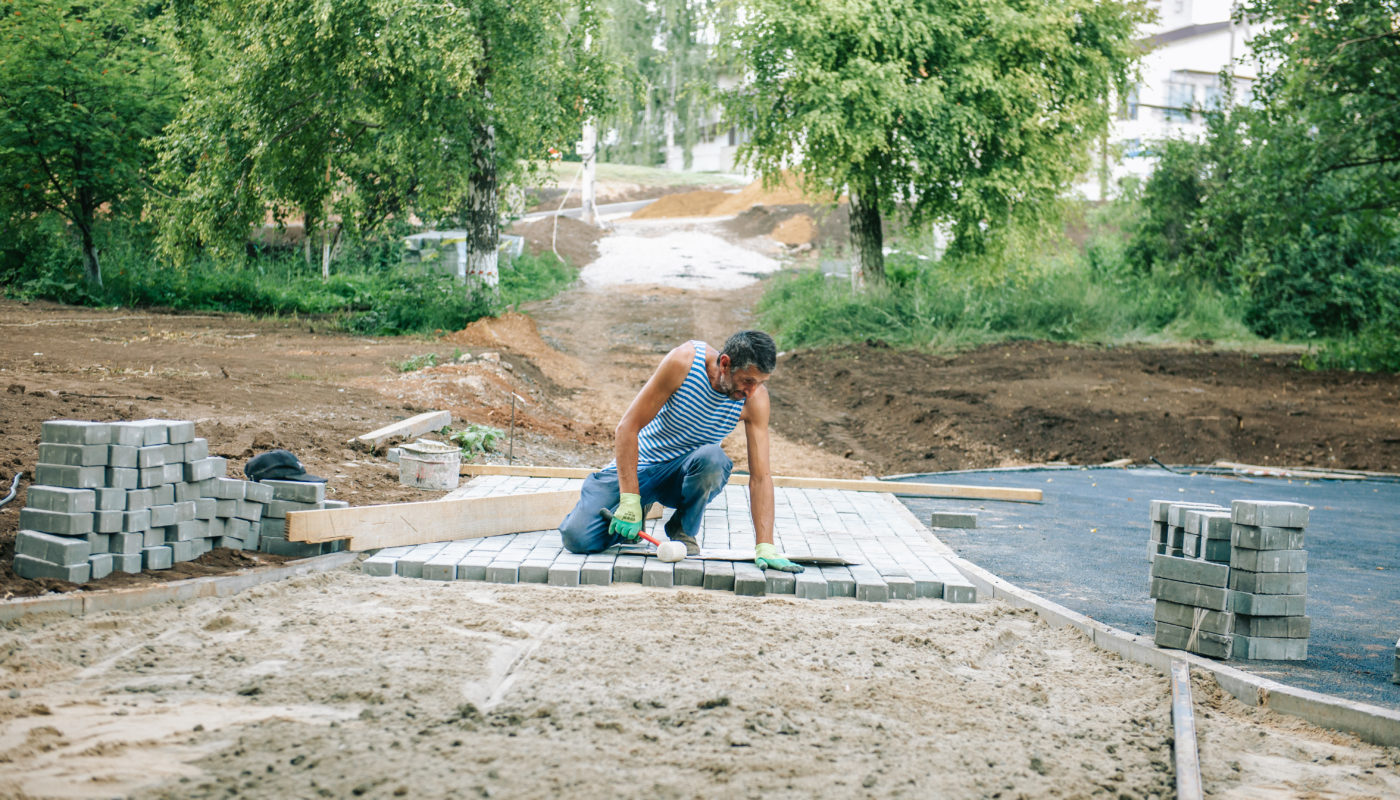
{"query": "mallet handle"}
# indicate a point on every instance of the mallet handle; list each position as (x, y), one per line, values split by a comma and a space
(608, 515)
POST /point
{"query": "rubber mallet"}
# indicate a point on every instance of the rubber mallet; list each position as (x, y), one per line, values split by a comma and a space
(667, 551)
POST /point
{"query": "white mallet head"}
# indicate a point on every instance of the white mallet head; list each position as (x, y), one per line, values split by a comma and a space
(671, 551)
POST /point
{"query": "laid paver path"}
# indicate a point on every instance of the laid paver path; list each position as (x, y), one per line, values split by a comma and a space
(895, 557)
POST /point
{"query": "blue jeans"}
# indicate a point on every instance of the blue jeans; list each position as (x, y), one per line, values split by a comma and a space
(686, 484)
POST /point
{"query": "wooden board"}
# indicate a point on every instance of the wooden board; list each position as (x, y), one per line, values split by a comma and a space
(413, 426)
(889, 487)
(746, 555)
(394, 524)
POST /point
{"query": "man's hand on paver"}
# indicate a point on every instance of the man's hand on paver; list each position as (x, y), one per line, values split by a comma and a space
(765, 556)
(627, 519)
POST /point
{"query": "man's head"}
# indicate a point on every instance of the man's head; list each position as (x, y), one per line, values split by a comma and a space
(747, 360)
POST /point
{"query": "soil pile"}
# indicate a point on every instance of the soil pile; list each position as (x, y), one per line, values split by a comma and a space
(708, 203)
(685, 204)
(824, 227)
(797, 229)
(576, 241)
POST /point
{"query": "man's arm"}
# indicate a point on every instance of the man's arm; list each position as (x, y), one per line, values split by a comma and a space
(664, 382)
(760, 473)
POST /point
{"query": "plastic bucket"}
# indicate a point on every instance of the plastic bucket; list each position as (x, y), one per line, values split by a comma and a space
(430, 465)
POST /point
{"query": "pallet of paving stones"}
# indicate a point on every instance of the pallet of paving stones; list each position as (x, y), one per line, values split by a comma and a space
(1230, 583)
(142, 495)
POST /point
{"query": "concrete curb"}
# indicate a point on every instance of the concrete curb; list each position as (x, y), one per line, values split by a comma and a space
(77, 604)
(1371, 723)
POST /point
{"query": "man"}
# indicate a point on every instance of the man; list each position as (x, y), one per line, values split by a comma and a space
(667, 449)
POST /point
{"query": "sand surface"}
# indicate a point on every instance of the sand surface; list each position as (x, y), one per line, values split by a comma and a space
(342, 685)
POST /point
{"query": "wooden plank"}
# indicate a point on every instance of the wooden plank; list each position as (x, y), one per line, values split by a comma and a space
(413, 426)
(373, 527)
(747, 555)
(1188, 760)
(1293, 472)
(889, 487)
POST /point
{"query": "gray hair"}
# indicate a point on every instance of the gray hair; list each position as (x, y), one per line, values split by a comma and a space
(755, 348)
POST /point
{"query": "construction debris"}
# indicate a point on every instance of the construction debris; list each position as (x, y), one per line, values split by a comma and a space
(407, 428)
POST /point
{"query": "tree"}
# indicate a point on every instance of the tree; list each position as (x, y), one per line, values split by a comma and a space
(973, 113)
(366, 110)
(82, 86)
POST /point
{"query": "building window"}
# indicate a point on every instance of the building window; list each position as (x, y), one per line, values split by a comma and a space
(1181, 98)
(1128, 109)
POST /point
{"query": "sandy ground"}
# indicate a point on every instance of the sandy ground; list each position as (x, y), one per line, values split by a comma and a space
(342, 685)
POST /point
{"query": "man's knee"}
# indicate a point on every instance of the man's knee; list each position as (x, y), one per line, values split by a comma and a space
(583, 535)
(710, 468)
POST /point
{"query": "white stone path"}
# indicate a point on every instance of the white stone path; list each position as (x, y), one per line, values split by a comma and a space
(898, 558)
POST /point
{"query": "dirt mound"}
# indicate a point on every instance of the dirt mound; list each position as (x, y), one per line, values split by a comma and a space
(686, 204)
(828, 226)
(576, 241)
(795, 230)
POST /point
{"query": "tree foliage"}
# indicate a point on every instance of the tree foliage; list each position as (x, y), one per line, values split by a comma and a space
(82, 86)
(367, 110)
(974, 113)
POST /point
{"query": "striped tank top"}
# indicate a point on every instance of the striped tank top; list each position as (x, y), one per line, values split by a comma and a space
(696, 415)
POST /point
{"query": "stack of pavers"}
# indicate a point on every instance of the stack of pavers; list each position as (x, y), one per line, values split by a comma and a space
(1193, 597)
(1230, 582)
(1269, 579)
(128, 496)
(288, 496)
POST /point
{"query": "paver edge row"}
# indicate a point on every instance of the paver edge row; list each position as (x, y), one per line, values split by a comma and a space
(79, 604)
(1371, 723)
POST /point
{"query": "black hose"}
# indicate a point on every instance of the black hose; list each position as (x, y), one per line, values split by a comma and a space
(14, 489)
(1165, 467)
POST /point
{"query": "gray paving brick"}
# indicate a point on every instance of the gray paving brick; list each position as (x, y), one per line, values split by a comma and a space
(749, 580)
(810, 585)
(926, 584)
(196, 448)
(279, 509)
(901, 587)
(628, 569)
(952, 519)
(1176, 512)
(719, 575)
(534, 571)
(597, 570)
(203, 469)
(71, 431)
(124, 434)
(153, 537)
(381, 564)
(184, 510)
(658, 573)
(690, 572)
(1190, 594)
(150, 457)
(248, 510)
(70, 477)
(187, 550)
(297, 491)
(779, 582)
(1220, 622)
(184, 532)
(57, 498)
(153, 431)
(162, 495)
(1217, 551)
(959, 591)
(503, 572)
(1268, 605)
(565, 573)
(125, 543)
(237, 528)
(33, 568)
(839, 582)
(172, 473)
(1298, 627)
(161, 515)
(1270, 560)
(74, 455)
(206, 508)
(1214, 645)
(1269, 582)
(229, 508)
(1269, 514)
(1271, 649)
(159, 557)
(274, 527)
(411, 563)
(230, 543)
(100, 565)
(60, 550)
(1191, 546)
(137, 499)
(130, 563)
(442, 567)
(258, 492)
(136, 521)
(150, 478)
(59, 522)
(180, 430)
(1189, 570)
(107, 521)
(228, 488)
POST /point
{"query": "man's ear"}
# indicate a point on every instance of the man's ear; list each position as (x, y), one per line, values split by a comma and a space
(723, 361)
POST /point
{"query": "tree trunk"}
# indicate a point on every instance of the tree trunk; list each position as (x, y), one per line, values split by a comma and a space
(91, 267)
(483, 214)
(867, 239)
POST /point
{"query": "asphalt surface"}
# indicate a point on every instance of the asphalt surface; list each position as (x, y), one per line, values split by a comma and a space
(1085, 547)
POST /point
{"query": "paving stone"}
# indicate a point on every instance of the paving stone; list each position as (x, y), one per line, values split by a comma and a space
(690, 572)
(839, 582)
(136, 521)
(329, 504)
(502, 572)
(1268, 605)
(534, 571)
(173, 473)
(1214, 645)
(952, 519)
(596, 572)
(1298, 627)
(959, 592)
(107, 521)
(34, 568)
(152, 477)
(254, 538)
(278, 509)
(411, 563)
(1271, 649)
(257, 492)
(1269, 514)
(228, 488)
(230, 543)
(1270, 560)
(98, 542)
(72, 477)
(184, 510)
(58, 498)
(162, 515)
(150, 457)
(196, 448)
(443, 566)
(248, 510)
(901, 587)
(203, 469)
(628, 569)
(1191, 546)
(100, 565)
(274, 527)
(472, 567)
(1176, 512)
(163, 495)
(74, 455)
(237, 528)
(779, 582)
(180, 430)
(719, 575)
(160, 557)
(174, 453)
(130, 563)
(58, 522)
(125, 543)
(565, 573)
(70, 431)
(184, 532)
(869, 585)
(60, 550)
(1217, 551)
(124, 434)
(137, 499)
(810, 585)
(153, 537)
(228, 508)
(1220, 622)
(749, 580)
(206, 508)
(1269, 582)
(187, 550)
(297, 491)
(1191, 594)
(658, 573)
(926, 584)
(1190, 571)
(381, 564)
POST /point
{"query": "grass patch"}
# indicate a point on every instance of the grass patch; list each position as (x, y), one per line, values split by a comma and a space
(559, 175)
(415, 363)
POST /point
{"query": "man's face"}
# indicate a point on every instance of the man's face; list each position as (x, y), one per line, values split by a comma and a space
(739, 384)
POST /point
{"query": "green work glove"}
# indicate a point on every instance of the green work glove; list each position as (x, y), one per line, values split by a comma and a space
(627, 519)
(765, 556)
